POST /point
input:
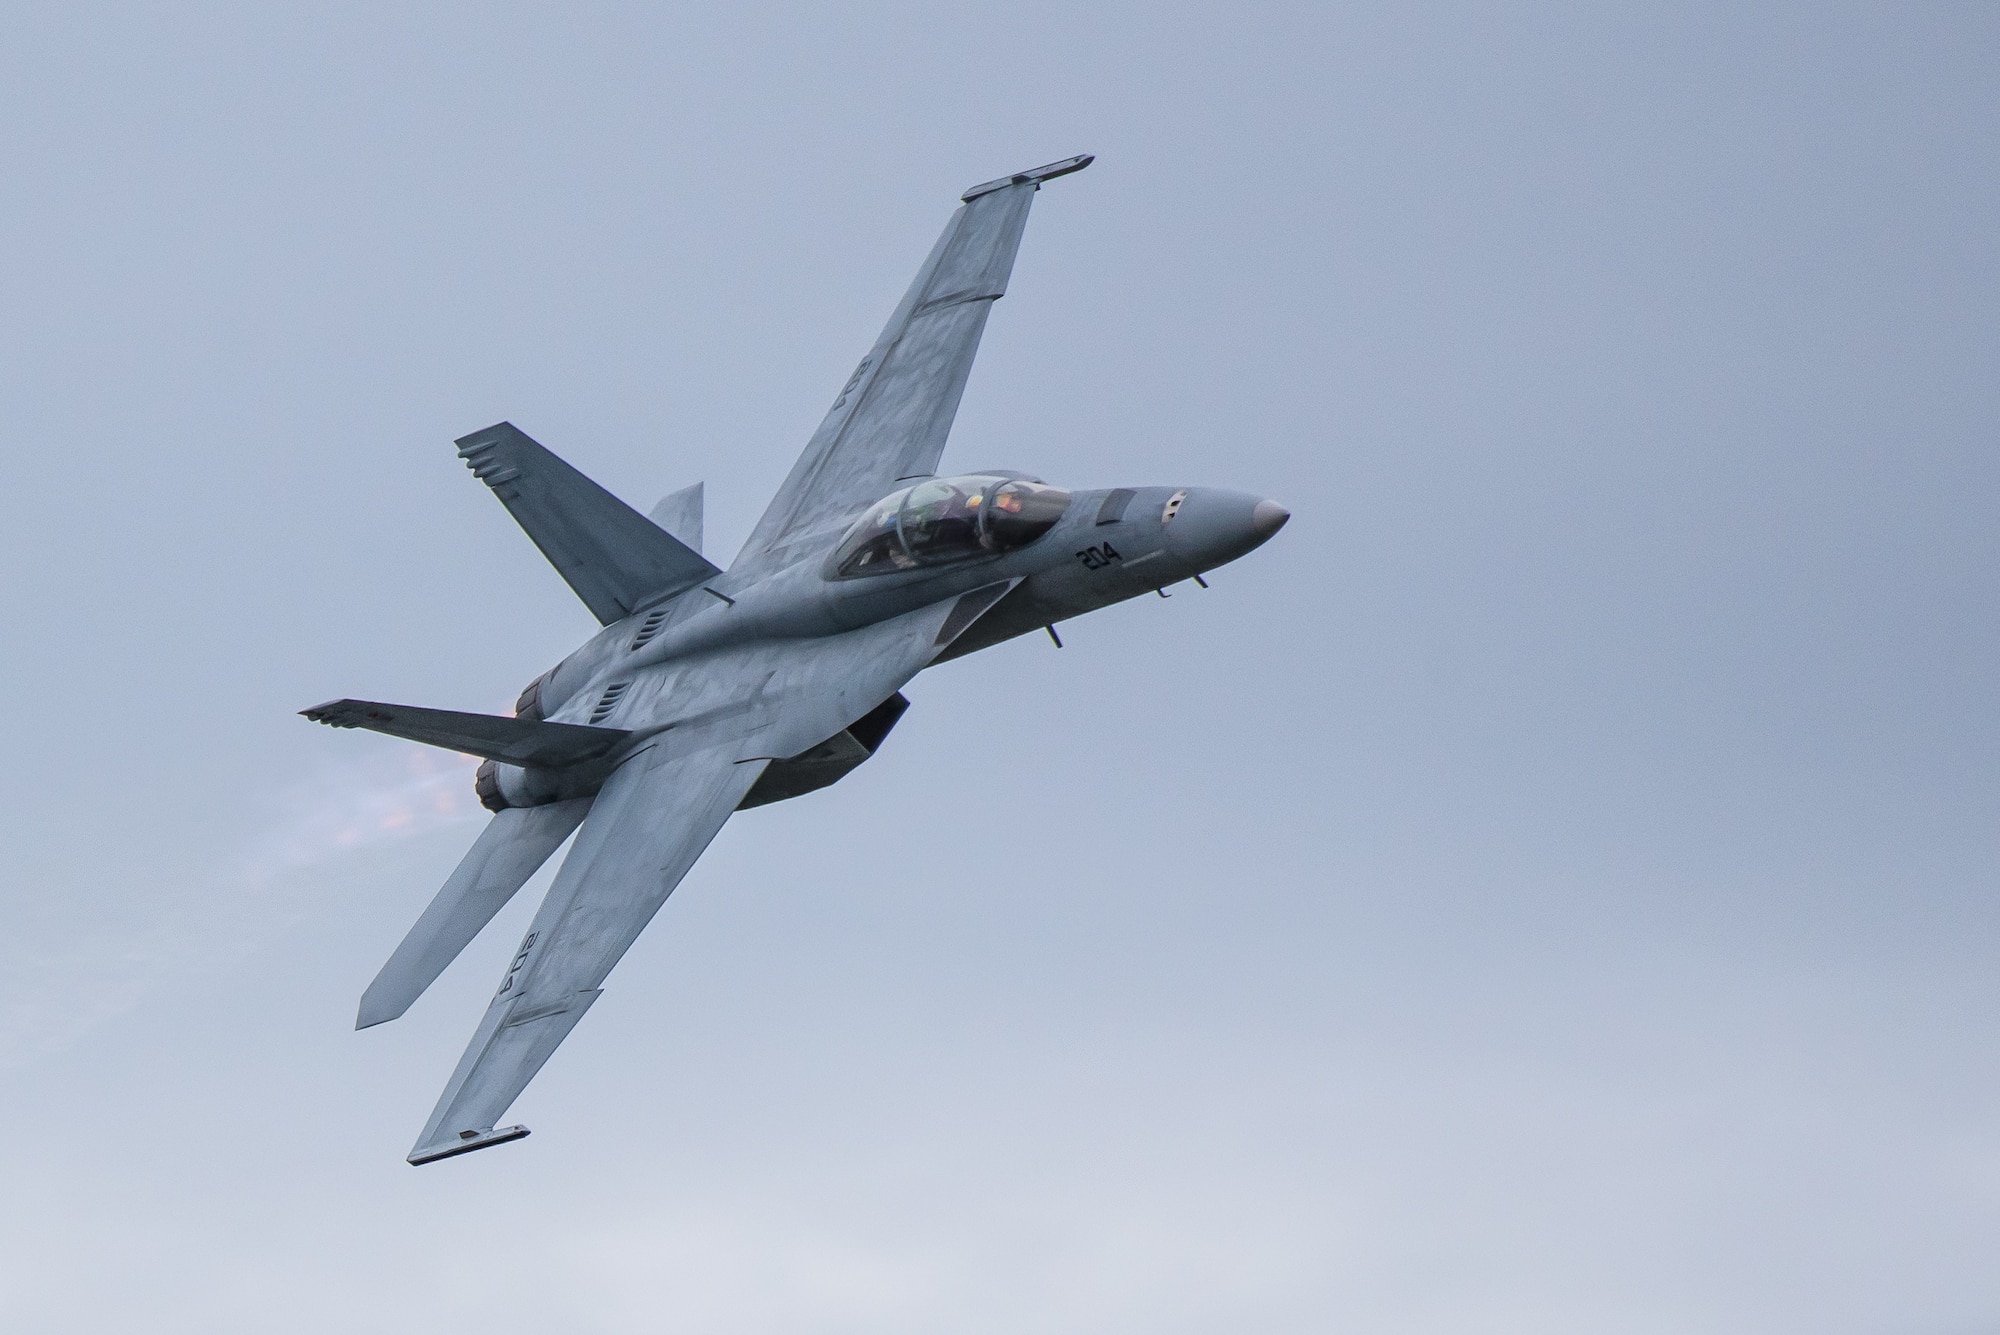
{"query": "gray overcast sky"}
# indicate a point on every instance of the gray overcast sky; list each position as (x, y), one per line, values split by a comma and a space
(1549, 889)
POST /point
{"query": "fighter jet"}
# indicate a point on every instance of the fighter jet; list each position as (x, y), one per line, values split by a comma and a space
(708, 690)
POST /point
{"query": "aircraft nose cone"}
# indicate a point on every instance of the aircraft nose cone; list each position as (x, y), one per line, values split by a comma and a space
(1267, 518)
(1212, 527)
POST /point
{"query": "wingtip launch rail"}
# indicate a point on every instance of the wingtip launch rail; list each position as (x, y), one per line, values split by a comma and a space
(467, 1142)
(1036, 175)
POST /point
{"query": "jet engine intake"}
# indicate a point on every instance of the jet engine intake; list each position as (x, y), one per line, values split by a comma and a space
(829, 762)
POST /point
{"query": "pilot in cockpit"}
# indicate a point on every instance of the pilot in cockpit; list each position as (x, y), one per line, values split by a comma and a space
(949, 519)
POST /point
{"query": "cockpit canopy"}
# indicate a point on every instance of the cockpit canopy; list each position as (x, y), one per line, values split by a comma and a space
(949, 519)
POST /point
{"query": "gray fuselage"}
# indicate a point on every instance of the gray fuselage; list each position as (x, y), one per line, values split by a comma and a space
(1109, 545)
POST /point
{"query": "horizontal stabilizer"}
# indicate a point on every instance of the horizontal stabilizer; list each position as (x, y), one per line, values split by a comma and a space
(614, 557)
(512, 741)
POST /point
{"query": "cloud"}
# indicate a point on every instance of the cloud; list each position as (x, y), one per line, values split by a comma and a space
(347, 806)
(50, 999)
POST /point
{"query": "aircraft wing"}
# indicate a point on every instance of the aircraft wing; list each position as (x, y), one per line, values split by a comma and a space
(648, 824)
(890, 421)
(653, 818)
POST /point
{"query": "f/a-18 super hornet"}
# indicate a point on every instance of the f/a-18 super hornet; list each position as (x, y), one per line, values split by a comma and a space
(710, 690)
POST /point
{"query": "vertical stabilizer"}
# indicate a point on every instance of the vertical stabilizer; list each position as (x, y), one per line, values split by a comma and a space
(680, 515)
